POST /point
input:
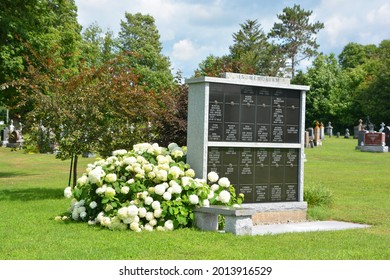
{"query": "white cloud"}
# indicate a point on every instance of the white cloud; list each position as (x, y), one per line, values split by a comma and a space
(183, 50)
(337, 27)
(379, 15)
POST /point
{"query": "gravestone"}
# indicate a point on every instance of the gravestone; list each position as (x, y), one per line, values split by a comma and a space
(358, 128)
(386, 131)
(317, 135)
(346, 134)
(310, 130)
(374, 142)
(4, 136)
(15, 138)
(322, 131)
(250, 129)
(369, 125)
(307, 140)
(329, 129)
(360, 141)
(382, 127)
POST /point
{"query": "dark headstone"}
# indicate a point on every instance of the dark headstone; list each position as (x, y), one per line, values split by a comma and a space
(311, 133)
(386, 131)
(14, 137)
(361, 137)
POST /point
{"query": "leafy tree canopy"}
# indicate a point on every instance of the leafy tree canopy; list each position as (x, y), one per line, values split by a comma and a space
(37, 25)
(140, 36)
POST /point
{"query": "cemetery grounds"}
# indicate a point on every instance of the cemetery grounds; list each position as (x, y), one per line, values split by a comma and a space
(31, 196)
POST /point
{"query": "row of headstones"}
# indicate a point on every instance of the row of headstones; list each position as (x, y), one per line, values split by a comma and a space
(314, 136)
(11, 136)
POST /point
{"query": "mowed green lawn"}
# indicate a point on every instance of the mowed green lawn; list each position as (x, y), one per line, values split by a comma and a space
(31, 195)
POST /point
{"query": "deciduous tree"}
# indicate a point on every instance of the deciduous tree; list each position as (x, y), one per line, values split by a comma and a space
(42, 25)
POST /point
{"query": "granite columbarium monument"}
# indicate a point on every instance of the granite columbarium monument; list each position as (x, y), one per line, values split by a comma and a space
(250, 129)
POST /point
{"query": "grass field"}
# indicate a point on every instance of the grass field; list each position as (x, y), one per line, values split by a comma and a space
(31, 195)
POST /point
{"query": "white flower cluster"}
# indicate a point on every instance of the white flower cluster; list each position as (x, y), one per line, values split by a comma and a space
(147, 188)
(78, 209)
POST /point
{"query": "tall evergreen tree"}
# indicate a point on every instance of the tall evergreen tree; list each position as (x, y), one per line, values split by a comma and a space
(296, 35)
(253, 52)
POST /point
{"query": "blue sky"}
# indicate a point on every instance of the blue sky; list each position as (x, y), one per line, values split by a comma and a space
(192, 30)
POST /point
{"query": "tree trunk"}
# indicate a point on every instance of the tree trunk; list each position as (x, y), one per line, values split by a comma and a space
(76, 157)
(70, 170)
(292, 67)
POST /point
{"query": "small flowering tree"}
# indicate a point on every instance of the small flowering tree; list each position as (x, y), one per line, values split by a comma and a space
(147, 188)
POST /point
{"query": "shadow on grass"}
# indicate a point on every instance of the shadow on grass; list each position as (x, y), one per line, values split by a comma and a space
(31, 194)
(13, 174)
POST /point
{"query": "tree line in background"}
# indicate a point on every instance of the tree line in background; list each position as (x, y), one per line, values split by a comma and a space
(92, 90)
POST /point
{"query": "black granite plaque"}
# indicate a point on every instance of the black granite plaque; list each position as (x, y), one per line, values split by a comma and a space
(263, 133)
(232, 94)
(247, 190)
(262, 157)
(231, 155)
(248, 113)
(277, 166)
(291, 166)
(292, 115)
(290, 192)
(264, 97)
(261, 193)
(278, 116)
(292, 134)
(277, 134)
(262, 168)
(232, 112)
(249, 90)
(231, 164)
(278, 98)
(263, 114)
(215, 112)
(246, 175)
(247, 133)
(216, 93)
(231, 132)
(214, 160)
(293, 98)
(276, 192)
(215, 131)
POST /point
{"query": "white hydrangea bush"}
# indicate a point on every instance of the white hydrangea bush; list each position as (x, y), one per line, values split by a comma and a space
(148, 188)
